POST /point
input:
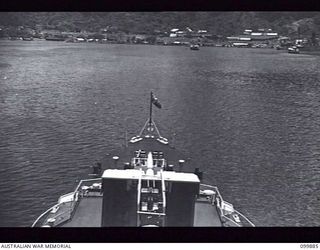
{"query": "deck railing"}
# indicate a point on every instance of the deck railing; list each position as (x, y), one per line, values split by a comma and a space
(69, 210)
(219, 201)
(63, 216)
(67, 214)
(40, 218)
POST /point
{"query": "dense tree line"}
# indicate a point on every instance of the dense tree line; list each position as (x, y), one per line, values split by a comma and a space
(223, 23)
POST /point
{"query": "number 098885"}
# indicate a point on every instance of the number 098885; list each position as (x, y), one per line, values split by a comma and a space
(310, 246)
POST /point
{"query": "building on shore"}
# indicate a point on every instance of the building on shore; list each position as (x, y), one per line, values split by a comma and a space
(255, 38)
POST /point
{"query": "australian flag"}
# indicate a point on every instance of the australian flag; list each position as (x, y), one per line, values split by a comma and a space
(155, 101)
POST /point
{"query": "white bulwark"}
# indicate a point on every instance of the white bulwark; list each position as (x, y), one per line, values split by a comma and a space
(180, 177)
(130, 174)
(134, 174)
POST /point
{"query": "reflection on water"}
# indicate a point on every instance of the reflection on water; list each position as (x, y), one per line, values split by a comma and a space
(250, 118)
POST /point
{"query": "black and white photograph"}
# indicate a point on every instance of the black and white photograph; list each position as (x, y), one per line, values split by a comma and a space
(160, 119)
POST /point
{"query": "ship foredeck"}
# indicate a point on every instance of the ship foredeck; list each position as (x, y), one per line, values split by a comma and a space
(125, 154)
(206, 215)
(89, 212)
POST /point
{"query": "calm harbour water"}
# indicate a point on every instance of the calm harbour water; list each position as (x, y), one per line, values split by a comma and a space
(250, 116)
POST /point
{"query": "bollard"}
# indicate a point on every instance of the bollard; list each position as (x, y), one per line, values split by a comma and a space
(181, 162)
(115, 159)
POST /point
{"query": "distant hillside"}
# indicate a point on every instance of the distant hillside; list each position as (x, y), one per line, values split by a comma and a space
(223, 23)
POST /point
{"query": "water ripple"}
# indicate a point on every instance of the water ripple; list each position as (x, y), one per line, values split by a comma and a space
(253, 115)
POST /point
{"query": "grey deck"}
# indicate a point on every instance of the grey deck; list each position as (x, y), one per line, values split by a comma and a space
(88, 213)
(206, 215)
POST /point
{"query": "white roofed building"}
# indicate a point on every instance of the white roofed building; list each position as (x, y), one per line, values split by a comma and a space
(174, 30)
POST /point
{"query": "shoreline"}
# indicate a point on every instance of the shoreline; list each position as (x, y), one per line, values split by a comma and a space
(218, 45)
(302, 52)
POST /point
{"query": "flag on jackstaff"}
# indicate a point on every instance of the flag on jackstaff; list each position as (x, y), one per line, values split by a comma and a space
(155, 101)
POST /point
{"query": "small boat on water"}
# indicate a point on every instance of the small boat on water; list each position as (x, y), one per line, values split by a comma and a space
(148, 183)
(293, 50)
(194, 47)
(27, 38)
